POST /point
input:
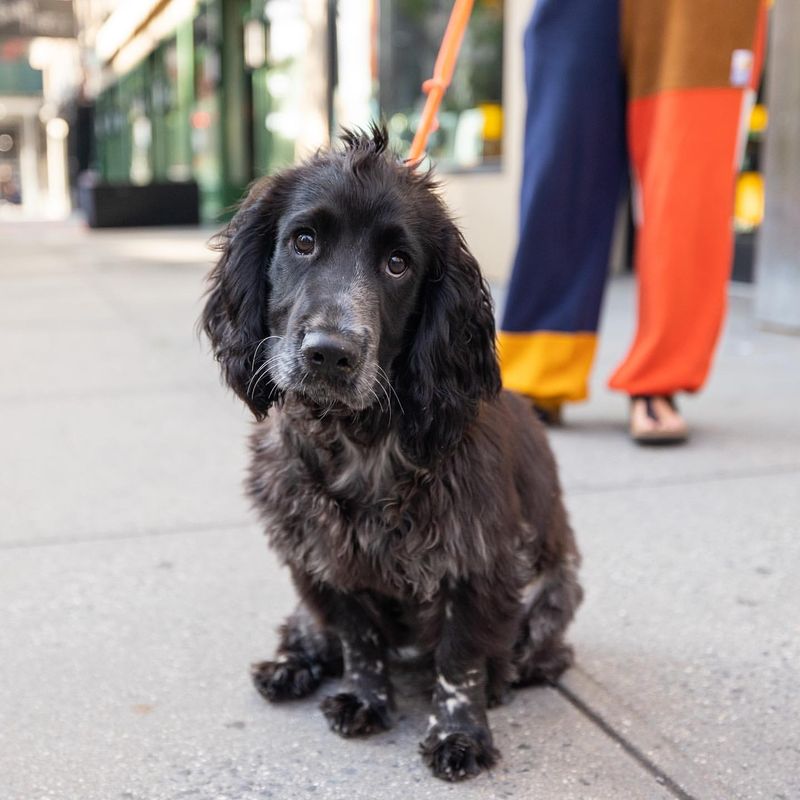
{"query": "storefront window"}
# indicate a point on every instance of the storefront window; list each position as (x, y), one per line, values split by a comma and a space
(206, 118)
(471, 117)
(10, 179)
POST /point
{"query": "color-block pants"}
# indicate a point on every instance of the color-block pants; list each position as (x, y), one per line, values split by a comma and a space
(660, 88)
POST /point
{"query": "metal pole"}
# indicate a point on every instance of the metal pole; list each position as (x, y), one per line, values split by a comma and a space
(778, 257)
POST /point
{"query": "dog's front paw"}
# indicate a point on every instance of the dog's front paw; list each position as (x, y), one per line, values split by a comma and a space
(456, 756)
(288, 679)
(351, 715)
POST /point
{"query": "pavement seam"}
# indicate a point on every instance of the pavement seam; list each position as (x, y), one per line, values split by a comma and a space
(82, 395)
(660, 483)
(20, 544)
(662, 778)
(658, 754)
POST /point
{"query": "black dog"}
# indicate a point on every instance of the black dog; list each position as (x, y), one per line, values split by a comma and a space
(414, 503)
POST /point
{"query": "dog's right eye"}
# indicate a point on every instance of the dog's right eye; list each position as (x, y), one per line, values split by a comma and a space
(304, 242)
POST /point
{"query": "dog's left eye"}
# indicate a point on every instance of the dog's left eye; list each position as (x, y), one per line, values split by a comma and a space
(396, 265)
(304, 242)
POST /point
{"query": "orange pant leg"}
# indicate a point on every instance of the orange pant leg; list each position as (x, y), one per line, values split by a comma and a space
(682, 138)
(682, 152)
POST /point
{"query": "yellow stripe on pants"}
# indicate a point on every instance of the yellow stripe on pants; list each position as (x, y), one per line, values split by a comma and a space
(548, 366)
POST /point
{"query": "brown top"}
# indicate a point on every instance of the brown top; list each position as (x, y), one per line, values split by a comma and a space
(686, 44)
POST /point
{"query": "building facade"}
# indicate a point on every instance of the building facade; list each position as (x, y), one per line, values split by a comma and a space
(38, 69)
(223, 91)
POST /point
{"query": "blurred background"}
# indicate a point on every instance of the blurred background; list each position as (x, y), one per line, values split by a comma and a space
(163, 111)
(190, 100)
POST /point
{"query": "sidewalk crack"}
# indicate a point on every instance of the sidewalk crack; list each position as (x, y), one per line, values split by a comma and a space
(637, 755)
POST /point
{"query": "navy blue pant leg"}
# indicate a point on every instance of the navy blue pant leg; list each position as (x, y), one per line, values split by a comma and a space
(575, 163)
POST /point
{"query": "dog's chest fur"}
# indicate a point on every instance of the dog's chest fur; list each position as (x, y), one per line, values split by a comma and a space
(357, 516)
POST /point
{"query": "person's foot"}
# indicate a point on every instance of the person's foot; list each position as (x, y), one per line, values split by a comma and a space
(655, 419)
(548, 412)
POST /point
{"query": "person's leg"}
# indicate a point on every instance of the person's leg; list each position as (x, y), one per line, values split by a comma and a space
(688, 87)
(574, 166)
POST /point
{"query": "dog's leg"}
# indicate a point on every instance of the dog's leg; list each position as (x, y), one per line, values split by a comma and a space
(459, 743)
(364, 704)
(305, 655)
(363, 707)
(541, 654)
(501, 675)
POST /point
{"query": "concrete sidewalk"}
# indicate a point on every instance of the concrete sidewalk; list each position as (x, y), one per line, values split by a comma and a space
(135, 587)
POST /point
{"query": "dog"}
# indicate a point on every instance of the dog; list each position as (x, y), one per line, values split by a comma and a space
(415, 504)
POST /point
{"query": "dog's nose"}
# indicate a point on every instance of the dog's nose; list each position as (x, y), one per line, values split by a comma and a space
(329, 353)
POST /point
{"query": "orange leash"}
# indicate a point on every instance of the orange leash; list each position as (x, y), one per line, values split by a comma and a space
(436, 86)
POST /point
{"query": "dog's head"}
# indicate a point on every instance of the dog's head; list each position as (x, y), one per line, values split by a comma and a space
(343, 282)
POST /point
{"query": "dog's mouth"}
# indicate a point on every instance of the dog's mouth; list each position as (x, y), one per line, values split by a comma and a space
(334, 395)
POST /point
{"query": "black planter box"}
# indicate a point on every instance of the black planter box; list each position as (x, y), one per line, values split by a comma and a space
(126, 205)
(744, 257)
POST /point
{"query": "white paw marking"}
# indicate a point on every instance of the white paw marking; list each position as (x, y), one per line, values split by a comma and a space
(456, 698)
(454, 703)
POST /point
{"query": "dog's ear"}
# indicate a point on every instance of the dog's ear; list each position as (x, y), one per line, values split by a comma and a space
(235, 314)
(450, 363)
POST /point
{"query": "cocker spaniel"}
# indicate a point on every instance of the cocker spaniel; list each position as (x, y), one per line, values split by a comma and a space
(414, 502)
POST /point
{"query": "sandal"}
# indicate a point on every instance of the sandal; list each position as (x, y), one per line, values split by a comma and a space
(655, 419)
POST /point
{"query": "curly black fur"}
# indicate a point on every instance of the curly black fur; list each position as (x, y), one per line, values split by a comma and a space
(415, 503)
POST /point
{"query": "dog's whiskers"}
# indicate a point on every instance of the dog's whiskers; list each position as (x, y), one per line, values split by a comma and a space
(382, 374)
(256, 377)
(377, 399)
(388, 399)
(261, 373)
(258, 346)
(328, 409)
